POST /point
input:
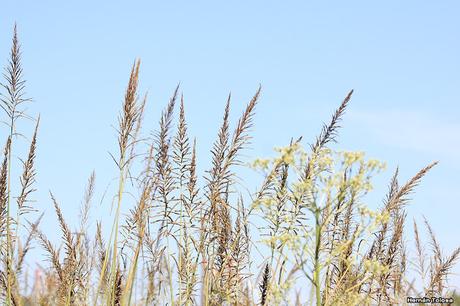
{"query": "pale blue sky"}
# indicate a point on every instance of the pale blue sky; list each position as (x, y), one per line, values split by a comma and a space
(401, 57)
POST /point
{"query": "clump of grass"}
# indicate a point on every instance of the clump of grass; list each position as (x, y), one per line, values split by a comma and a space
(187, 242)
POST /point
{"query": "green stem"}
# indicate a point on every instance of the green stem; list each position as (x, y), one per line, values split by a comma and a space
(114, 232)
(117, 215)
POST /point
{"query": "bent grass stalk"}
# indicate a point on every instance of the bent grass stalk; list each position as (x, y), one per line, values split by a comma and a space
(127, 123)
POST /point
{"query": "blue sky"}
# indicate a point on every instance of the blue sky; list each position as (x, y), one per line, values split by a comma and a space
(401, 57)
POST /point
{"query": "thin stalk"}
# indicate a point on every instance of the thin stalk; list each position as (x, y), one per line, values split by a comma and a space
(317, 265)
(8, 235)
(121, 187)
(9, 244)
(130, 281)
(114, 232)
(171, 289)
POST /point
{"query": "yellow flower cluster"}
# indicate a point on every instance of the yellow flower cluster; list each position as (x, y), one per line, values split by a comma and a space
(375, 267)
(335, 177)
(376, 165)
(287, 154)
(260, 163)
(349, 158)
(291, 241)
(325, 159)
(301, 187)
(365, 211)
(377, 218)
(279, 291)
(267, 202)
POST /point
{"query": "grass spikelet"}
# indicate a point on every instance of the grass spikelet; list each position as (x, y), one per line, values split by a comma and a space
(4, 191)
(86, 204)
(14, 85)
(66, 232)
(264, 286)
(53, 254)
(329, 132)
(23, 250)
(129, 117)
(28, 176)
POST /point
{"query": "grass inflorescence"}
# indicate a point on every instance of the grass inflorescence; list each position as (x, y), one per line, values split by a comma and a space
(304, 237)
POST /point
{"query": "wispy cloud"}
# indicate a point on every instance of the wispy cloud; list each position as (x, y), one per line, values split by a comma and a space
(412, 130)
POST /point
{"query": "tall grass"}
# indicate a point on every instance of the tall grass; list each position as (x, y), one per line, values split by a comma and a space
(304, 237)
